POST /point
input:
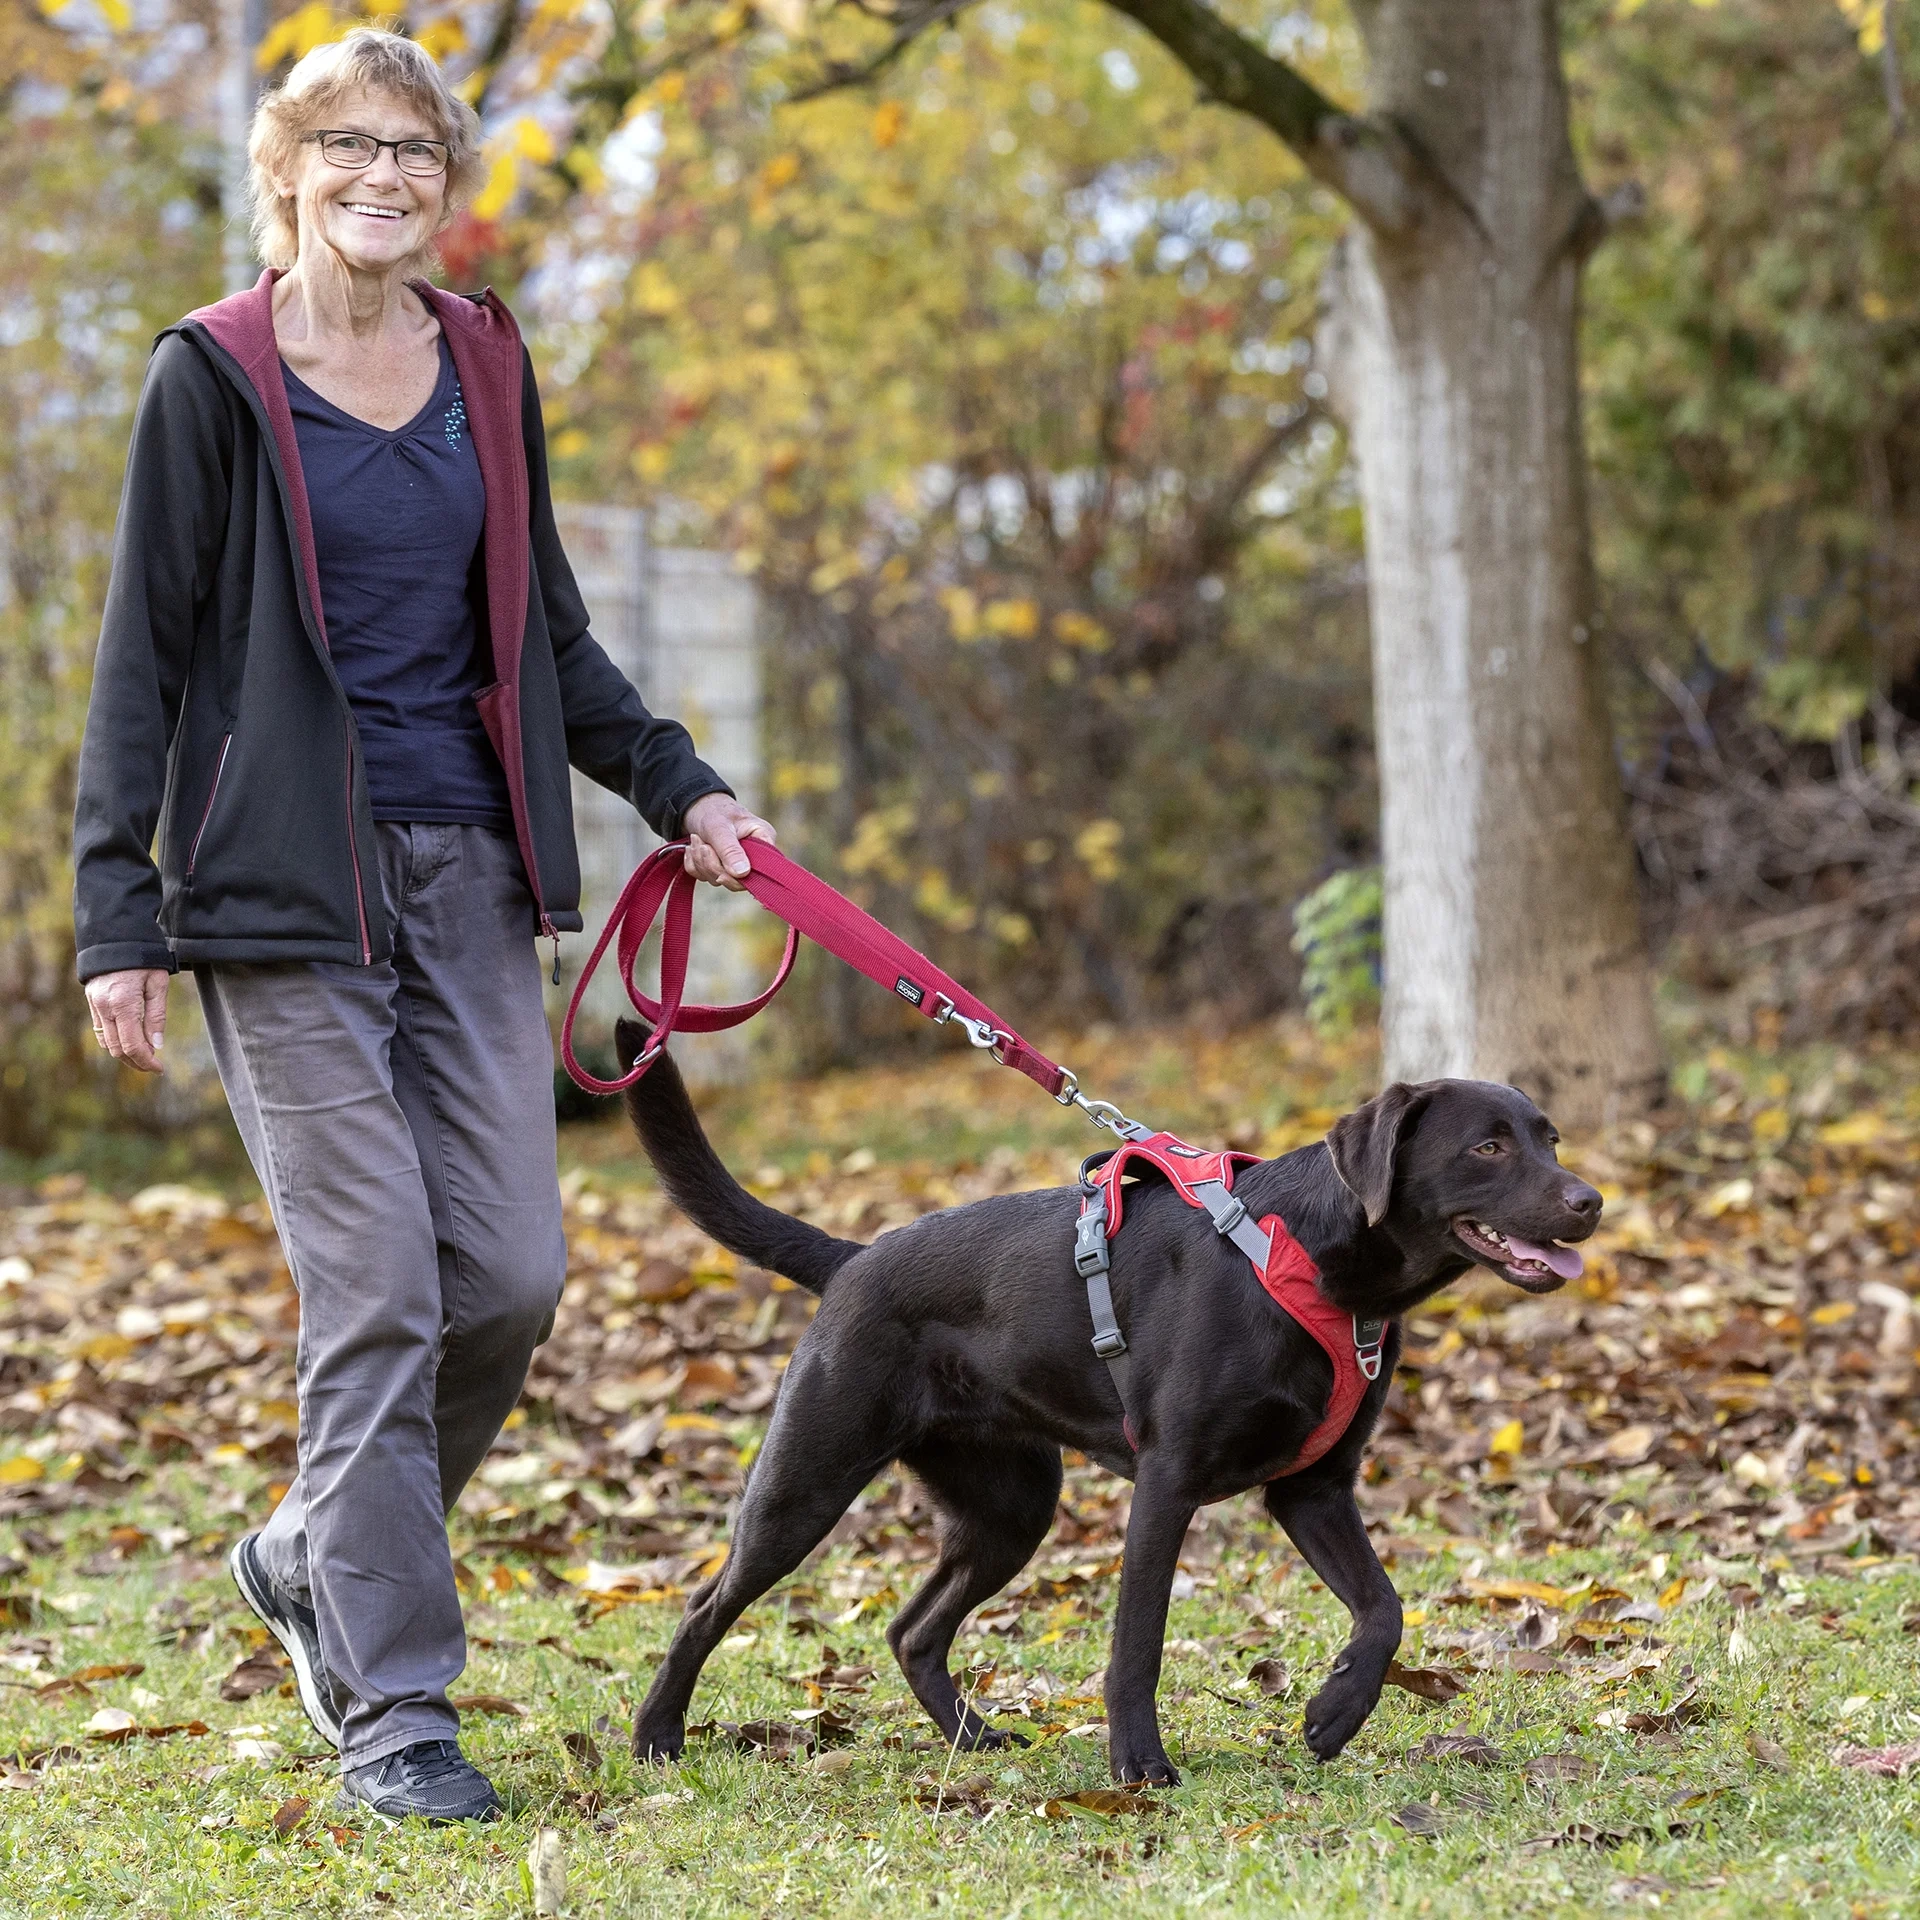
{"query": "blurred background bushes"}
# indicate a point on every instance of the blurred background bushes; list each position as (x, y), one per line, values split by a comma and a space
(999, 378)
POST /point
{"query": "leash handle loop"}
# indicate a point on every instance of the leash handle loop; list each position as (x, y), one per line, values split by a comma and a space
(808, 905)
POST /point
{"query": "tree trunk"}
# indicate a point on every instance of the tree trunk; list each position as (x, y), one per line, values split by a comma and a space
(1512, 936)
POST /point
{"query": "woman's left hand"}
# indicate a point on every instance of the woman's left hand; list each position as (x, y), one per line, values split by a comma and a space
(714, 827)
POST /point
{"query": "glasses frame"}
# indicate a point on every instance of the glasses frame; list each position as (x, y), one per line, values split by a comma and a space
(321, 135)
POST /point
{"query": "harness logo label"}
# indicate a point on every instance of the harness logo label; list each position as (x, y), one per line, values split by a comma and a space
(908, 991)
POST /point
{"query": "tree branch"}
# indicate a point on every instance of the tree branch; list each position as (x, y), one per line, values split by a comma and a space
(1363, 160)
(1366, 161)
(912, 24)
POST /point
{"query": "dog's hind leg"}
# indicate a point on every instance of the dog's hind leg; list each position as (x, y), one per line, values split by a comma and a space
(996, 1504)
(800, 1485)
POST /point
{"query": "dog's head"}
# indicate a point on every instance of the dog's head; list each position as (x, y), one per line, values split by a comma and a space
(1465, 1171)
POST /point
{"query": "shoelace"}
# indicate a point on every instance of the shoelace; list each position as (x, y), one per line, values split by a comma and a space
(428, 1762)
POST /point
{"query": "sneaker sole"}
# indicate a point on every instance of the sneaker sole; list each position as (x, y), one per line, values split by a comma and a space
(305, 1679)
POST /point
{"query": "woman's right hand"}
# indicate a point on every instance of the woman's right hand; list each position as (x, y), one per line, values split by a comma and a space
(130, 1014)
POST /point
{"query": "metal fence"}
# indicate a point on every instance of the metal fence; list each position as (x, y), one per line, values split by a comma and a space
(683, 626)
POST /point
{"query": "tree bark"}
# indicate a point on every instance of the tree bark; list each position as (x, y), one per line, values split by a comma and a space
(1513, 942)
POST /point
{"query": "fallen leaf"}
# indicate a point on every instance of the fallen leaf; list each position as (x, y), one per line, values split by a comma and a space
(112, 1723)
(1537, 1590)
(290, 1813)
(1418, 1818)
(1769, 1753)
(1103, 1801)
(1437, 1684)
(582, 1748)
(122, 1670)
(1557, 1766)
(260, 1672)
(486, 1703)
(1892, 1763)
(1473, 1748)
(547, 1867)
(1269, 1675)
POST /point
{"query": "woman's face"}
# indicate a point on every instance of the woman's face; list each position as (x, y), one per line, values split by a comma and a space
(374, 217)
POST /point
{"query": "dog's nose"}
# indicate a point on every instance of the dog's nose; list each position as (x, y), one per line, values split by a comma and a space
(1582, 1199)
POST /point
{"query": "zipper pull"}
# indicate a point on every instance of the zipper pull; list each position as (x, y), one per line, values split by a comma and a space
(556, 959)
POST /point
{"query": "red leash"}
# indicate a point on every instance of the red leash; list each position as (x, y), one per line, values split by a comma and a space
(827, 917)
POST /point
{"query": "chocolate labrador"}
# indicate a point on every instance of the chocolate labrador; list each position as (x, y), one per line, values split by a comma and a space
(961, 1346)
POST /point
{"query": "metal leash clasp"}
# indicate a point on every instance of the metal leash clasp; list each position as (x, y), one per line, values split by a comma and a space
(1103, 1113)
(982, 1033)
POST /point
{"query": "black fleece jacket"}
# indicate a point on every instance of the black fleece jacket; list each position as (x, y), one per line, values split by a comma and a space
(217, 730)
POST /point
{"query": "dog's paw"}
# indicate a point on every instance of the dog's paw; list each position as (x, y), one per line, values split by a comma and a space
(659, 1741)
(976, 1736)
(1145, 1770)
(1335, 1714)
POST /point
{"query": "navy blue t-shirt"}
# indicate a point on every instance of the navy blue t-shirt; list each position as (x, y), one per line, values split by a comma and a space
(397, 518)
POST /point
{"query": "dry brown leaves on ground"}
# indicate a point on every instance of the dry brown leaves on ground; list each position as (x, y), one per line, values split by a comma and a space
(1738, 1363)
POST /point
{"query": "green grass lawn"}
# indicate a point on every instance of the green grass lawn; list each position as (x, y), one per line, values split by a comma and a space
(1689, 1820)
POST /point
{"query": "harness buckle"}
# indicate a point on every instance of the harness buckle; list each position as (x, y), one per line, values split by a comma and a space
(1230, 1216)
(1109, 1343)
(1090, 1244)
(1369, 1344)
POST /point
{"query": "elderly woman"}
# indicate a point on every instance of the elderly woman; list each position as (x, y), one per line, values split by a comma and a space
(343, 669)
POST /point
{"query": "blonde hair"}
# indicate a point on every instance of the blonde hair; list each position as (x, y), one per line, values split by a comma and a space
(367, 60)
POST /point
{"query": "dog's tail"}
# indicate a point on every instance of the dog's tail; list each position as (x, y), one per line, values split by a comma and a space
(699, 1184)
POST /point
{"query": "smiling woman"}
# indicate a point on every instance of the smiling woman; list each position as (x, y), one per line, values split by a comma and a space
(342, 672)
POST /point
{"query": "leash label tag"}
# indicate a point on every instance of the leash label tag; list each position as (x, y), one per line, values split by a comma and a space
(908, 991)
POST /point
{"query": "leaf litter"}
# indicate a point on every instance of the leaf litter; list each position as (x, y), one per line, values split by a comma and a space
(1737, 1365)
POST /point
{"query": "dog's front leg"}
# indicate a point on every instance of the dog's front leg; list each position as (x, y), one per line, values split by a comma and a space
(1323, 1521)
(1156, 1528)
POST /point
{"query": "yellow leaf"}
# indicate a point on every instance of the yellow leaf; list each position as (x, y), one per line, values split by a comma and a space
(652, 292)
(781, 171)
(1833, 1313)
(1098, 845)
(888, 118)
(503, 175)
(1077, 630)
(1863, 1129)
(532, 140)
(568, 442)
(22, 1467)
(1012, 619)
(314, 25)
(119, 14)
(1876, 306)
(1672, 1594)
(669, 87)
(1508, 1441)
(443, 36)
(963, 612)
(1771, 1125)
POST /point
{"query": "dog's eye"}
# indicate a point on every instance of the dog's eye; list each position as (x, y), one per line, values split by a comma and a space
(1488, 1148)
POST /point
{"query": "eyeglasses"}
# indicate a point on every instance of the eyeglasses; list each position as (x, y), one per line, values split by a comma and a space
(356, 150)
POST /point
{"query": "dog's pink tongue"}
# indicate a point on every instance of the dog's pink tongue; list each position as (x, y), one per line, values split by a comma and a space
(1565, 1261)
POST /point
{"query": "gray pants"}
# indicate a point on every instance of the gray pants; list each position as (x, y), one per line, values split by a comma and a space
(400, 1119)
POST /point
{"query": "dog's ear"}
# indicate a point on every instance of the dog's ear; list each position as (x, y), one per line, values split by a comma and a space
(1364, 1142)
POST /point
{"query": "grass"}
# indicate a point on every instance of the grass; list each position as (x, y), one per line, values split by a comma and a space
(1689, 1820)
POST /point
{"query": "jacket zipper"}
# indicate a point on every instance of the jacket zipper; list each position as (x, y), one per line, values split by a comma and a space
(353, 853)
(206, 812)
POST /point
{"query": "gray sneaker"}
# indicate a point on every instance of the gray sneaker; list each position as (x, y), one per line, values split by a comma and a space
(430, 1780)
(292, 1623)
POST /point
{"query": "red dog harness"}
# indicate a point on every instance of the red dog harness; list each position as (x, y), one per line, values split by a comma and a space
(1205, 1181)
